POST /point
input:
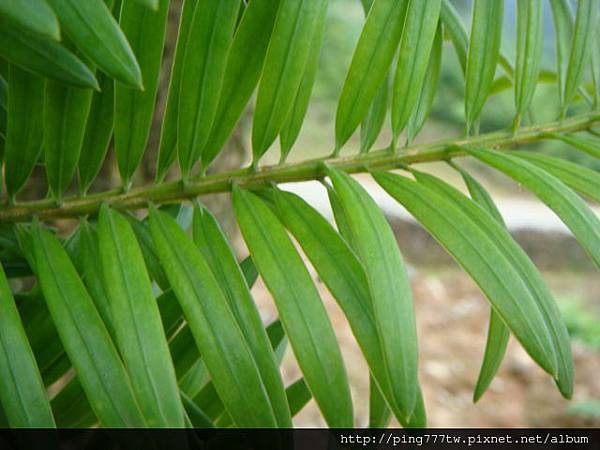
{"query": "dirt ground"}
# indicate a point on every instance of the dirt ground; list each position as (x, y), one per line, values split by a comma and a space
(452, 317)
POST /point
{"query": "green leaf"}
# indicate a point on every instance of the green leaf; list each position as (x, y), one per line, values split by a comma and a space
(218, 254)
(582, 42)
(370, 64)
(529, 53)
(475, 245)
(217, 335)
(390, 291)
(98, 131)
(151, 4)
(300, 309)
(244, 67)
(578, 177)
(134, 109)
(210, 36)
(498, 333)
(135, 316)
(372, 124)
(589, 145)
(536, 285)
(22, 393)
(418, 38)
(455, 28)
(573, 211)
(484, 49)
(96, 33)
(430, 84)
(287, 57)
(44, 57)
(197, 417)
(65, 115)
(84, 336)
(298, 395)
(32, 15)
(563, 30)
(24, 127)
(495, 348)
(71, 407)
(293, 124)
(344, 276)
(379, 412)
(167, 150)
(596, 65)
(92, 275)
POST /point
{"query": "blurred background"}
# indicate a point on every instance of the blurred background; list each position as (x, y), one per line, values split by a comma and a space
(452, 313)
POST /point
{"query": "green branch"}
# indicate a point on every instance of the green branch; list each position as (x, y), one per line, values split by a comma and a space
(171, 192)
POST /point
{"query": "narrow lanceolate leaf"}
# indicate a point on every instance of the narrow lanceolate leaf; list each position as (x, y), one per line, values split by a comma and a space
(455, 28)
(93, 29)
(589, 145)
(372, 124)
(22, 393)
(370, 64)
(167, 150)
(484, 48)
(429, 89)
(577, 177)
(32, 15)
(475, 245)
(44, 57)
(84, 336)
(541, 294)
(65, 115)
(298, 395)
(98, 131)
(415, 47)
(563, 30)
(134, 109)
(390, 291)
(293, 124)
(300, 309)
(596, 64)
(23, 128)
(529, 53)
(287, 57)
(573, 211)
(379, 412)
(498, 333)
(137, 323)
(495, 348)
(210, 35)
(215, 330)
(197, 417)
(583, 35)
(218, 254)
(244, 66)
(92, 274)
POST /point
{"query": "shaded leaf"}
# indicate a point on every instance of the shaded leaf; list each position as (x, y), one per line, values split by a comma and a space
(22, 393)
(563, 31)
(134, 109)
(484, 49)
(370, 63)
(210, 35)
(219, 339)
(24, 127)
(418, 38)
(244, 67)
(287, 57)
